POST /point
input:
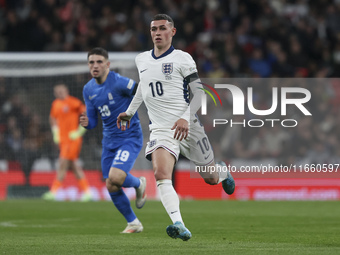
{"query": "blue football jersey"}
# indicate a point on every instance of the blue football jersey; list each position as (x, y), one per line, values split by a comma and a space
(109, 100)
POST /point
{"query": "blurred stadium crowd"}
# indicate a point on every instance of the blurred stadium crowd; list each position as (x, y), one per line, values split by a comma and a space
(24, 136)
(227, 39)
(285, 38)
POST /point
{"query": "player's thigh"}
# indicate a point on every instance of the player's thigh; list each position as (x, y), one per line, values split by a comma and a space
(106, 161)
(70, 150)
(163, 164)
(126, 155)
(162, 138)
(197, 147)
(122, 157)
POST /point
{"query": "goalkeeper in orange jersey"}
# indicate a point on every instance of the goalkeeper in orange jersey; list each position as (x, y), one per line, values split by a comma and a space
(67, 133)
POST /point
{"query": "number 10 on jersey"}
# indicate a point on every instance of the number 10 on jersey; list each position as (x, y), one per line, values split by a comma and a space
(158, 88)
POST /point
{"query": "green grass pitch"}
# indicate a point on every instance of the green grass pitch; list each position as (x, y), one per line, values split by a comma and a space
(218, 227)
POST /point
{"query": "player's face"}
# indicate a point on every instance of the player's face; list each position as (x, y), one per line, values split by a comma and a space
(98, 66)
(162, 32)
(60, 91)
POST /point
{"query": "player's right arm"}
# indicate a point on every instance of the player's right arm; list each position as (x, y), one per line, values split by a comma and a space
(54, 123)
(55, 130)
(90, 119)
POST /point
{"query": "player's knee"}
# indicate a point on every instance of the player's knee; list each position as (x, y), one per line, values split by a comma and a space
(211, 181)
(114, 181)
(116, 177)
(111, 187)
(160, 174)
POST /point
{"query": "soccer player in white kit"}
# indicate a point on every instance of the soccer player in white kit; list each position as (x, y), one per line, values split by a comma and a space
(165, 77)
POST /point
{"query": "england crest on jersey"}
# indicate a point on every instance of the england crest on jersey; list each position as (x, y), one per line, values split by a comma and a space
(167, 68)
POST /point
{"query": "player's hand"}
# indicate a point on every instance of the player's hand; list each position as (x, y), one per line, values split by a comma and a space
(123, 120)
(182, 129)
(83, 120)
(75, 134)
(55, 132)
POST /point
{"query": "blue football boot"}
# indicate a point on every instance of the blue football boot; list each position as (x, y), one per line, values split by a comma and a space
(228, 184)
(178, 230)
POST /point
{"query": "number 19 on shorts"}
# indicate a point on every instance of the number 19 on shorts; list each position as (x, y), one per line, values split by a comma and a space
(122, 156)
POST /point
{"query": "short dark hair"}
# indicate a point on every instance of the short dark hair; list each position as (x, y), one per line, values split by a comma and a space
(98, 51)
(164, 17)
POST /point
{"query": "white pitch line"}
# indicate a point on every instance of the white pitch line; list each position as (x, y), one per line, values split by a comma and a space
(8, 224)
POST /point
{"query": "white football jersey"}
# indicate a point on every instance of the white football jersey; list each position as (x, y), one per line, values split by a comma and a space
(164, 91)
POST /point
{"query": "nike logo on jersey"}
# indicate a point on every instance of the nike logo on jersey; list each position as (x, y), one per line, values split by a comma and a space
(173, 212)
(207, 156)
(91, 97)
(143, 70)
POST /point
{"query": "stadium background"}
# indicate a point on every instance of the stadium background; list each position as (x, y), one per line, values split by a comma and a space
(227, 39)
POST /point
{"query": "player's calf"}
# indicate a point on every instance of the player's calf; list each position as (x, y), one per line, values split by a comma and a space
(211, 181)
(228, 183)
(140, 193)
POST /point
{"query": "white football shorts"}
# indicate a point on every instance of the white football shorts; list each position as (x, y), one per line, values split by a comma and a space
(196, 147)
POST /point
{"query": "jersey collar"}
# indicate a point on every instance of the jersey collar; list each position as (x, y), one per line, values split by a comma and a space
(171, 49)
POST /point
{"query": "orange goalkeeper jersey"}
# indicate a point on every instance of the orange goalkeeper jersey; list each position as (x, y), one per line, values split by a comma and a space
(67, 112)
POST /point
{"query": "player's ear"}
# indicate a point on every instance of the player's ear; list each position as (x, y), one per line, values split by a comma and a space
(108, 64)
(174, 30)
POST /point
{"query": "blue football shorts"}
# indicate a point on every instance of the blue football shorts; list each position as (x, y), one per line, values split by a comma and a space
(122, 157)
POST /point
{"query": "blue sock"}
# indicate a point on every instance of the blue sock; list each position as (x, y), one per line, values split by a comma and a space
(131, 181)
(123, 205)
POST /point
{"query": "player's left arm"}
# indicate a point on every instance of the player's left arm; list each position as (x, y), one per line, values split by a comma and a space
(181, 126)
(189, 72)
(127, 86)
(197, 91)
(123, 119)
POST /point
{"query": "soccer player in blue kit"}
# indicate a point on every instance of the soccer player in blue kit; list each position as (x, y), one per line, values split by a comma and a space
(108, 94)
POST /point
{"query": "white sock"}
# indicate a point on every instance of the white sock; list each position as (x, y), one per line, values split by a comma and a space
(169, 199)
(222, 172)
(134, 222)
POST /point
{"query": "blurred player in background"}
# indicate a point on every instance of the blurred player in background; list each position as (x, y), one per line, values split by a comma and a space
(165, 77)
(108, 94)
(67, 133)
